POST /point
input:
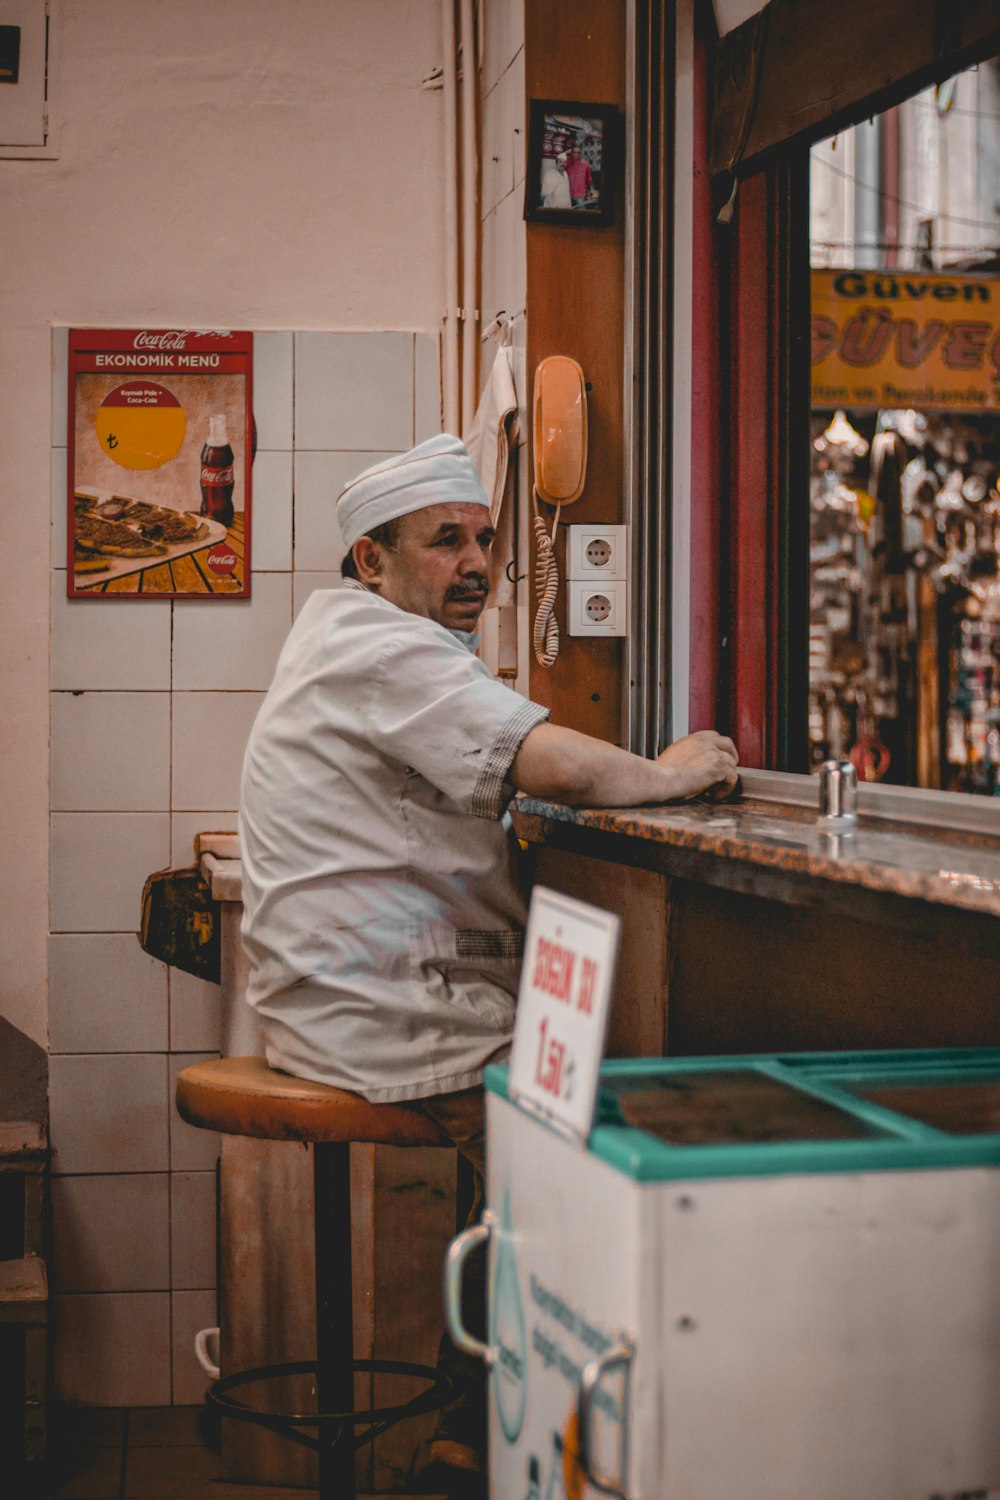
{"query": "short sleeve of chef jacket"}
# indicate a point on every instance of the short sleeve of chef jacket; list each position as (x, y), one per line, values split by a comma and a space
(438, 710)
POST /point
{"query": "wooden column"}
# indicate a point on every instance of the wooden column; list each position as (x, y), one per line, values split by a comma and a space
(575, 49)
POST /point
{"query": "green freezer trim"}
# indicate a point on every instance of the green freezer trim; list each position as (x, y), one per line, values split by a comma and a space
(877, 1117)
(898, 1143)
(641, 1157)
(929, 1062)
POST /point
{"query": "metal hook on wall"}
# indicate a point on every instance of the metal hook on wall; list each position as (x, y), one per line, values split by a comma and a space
(499, 329)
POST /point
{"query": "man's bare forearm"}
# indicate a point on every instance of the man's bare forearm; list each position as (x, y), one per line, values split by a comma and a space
(564, 766)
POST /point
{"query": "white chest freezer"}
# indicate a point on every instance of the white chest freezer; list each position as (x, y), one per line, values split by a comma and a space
(788, 1268)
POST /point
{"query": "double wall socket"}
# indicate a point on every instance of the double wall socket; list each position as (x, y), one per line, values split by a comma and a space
(597, 552)
(597, 609)
(597, 574)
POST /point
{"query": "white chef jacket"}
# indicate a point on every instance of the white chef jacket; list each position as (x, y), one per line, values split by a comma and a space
(383, 915)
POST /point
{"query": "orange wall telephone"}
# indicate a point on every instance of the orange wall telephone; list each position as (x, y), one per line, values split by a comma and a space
(560, 430)
(560, 453)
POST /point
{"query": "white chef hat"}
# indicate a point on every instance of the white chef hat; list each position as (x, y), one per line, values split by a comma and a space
(436, 472)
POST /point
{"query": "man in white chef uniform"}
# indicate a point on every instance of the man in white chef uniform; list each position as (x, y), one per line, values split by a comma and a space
(383, 913)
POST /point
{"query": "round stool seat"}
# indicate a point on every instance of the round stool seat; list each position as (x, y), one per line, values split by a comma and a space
(243, 1096)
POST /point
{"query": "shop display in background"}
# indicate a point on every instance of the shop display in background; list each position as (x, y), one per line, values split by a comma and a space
(904, 643)
(904, 634)
(160, 454)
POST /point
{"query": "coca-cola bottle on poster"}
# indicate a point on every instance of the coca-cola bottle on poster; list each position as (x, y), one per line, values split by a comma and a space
(217, 473)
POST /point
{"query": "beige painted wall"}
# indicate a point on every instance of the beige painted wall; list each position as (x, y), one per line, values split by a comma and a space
(260, 164)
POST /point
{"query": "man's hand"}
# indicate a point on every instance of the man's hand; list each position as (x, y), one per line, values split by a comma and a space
(704, 760)
(564, 766)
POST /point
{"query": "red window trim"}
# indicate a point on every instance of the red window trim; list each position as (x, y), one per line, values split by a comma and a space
(735, 438)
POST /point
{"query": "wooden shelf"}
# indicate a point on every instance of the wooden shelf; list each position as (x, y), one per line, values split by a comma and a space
(23, 1146)
(24, 1291)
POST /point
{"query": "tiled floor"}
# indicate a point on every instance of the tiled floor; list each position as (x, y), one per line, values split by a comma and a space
(144, 1453)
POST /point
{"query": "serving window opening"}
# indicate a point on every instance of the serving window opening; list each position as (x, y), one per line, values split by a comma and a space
(904, 441)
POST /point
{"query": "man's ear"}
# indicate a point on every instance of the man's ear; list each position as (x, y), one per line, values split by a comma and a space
(368, 560)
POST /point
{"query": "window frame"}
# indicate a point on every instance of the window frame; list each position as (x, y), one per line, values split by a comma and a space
(749, 318)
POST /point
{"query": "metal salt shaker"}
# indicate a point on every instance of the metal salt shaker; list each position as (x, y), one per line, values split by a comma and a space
(838, 795)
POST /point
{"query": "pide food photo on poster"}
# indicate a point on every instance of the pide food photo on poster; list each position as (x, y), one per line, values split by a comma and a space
(160, 453)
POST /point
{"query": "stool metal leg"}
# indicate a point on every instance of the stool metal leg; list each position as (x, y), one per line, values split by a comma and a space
(334, 1314)
(335, 1420)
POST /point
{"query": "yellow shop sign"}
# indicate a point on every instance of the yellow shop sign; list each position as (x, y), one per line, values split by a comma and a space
(905, 338)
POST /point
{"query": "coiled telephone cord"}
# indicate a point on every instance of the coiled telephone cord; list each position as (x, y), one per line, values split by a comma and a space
(546, 632)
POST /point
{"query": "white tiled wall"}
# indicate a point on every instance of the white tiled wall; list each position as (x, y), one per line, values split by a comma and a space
(151, 704)
(336, 377)
(194, 1013)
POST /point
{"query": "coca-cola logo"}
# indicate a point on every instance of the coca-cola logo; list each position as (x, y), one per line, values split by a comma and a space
(173, 339)
(217, 476)
(221, 559)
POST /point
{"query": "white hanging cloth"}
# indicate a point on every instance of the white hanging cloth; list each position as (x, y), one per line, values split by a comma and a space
(494, 427)
(493, 434)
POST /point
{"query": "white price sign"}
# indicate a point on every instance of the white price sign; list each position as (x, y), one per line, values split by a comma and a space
(562, 1010)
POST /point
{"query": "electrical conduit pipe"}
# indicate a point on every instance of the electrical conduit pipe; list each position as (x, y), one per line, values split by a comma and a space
(451, 317)
(470, 217)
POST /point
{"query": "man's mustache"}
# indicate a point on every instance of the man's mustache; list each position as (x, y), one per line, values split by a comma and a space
(474, 584)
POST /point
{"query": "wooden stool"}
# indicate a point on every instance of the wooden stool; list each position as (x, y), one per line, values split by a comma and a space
(243, 1096)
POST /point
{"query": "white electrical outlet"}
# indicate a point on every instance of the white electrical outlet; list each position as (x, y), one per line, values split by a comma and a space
(598, 608)
(597, 552)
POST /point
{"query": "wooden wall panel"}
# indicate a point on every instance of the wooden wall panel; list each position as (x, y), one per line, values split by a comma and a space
(575, 49)
(752, 975)
(638, 1023)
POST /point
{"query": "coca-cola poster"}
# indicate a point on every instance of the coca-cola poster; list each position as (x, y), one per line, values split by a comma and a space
(160, 456)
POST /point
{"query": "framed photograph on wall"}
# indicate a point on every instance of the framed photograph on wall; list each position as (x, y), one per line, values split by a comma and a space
(160, 449)
(573, 153)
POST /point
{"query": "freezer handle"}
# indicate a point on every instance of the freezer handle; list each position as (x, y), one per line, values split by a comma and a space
(590, 1378)
(454, 1266)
